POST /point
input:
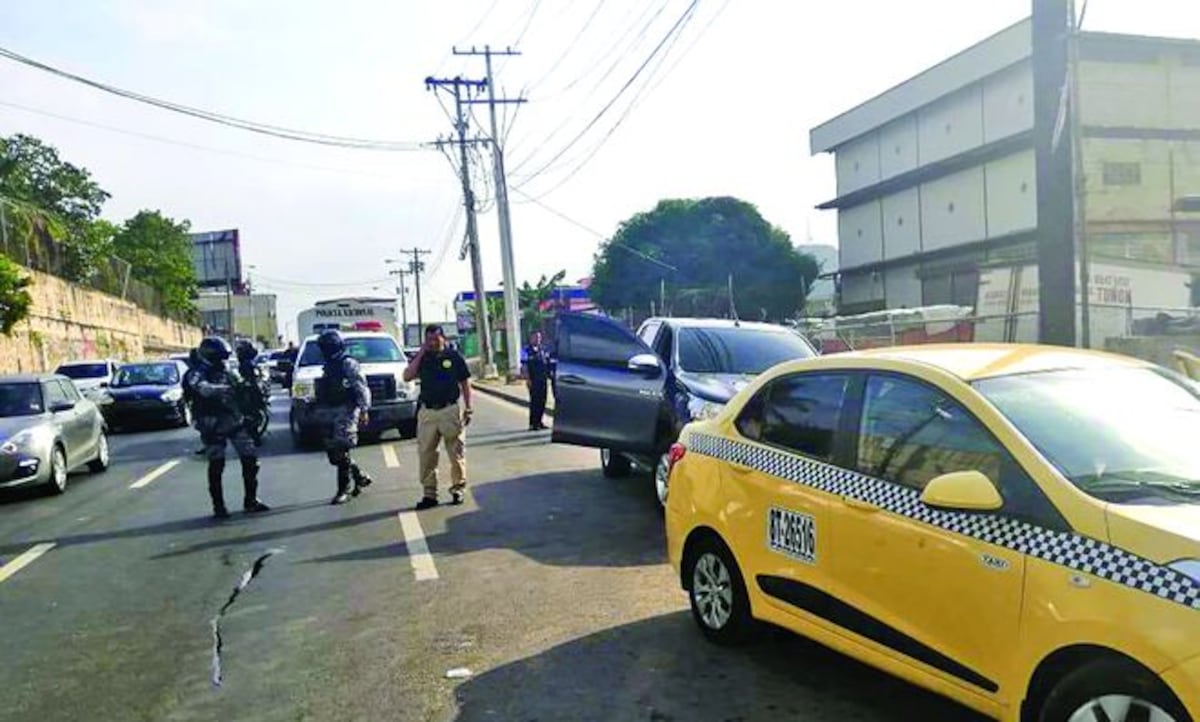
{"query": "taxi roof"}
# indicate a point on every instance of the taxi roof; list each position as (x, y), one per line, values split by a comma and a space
(975, 361)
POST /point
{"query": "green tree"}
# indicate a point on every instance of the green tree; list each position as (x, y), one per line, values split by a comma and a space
(32, 172)
(532, 297)
(160, 255)
(690, 249)
(14, 295)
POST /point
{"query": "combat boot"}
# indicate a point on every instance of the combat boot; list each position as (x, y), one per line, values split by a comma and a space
(251, 503)
(343, 484)
(361, 480)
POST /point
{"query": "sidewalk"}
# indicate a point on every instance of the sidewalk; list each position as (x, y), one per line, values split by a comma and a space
(513, 393)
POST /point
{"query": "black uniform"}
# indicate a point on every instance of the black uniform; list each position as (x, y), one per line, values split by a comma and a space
(537, 370)
(342, 397)
(252, 397)
(219, 420)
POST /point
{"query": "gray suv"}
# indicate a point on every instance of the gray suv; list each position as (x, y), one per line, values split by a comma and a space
(630, 394)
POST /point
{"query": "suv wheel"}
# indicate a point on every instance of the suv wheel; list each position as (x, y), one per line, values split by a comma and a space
(613, 464)
(720, 604)
(1111, 689)
(58, 470)
(662, 472)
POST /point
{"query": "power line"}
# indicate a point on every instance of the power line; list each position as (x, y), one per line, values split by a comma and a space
(570, 45)
(671, 33)
(213, 117)
(620, 121)
(184, 144)
(532, 14)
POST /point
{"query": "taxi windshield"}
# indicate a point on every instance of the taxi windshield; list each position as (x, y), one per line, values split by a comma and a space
(1119, 434)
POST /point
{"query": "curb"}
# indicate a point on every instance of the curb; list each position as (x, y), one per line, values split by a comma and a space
(506, 396)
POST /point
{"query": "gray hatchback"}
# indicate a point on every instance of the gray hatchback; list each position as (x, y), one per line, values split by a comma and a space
(47, 430)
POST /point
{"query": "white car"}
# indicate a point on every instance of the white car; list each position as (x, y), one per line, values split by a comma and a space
(91, 377)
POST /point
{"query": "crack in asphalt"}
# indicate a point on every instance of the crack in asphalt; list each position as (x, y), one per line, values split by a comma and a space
(218, 643)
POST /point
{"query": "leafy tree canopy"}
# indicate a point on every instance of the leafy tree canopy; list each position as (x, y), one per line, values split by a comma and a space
(158, 249)
(31, 171)
(692, 247)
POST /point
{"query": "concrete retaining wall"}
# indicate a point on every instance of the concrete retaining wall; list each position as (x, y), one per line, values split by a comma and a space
(68, 322)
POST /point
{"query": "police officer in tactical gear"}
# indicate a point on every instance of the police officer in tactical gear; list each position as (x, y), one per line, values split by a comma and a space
(213, 386)
(537, 379)
(344, 397)
(252, 393)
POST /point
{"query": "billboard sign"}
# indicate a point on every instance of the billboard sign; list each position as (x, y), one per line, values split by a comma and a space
(217, 259)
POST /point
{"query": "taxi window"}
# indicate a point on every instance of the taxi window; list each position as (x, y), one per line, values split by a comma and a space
(910, 433)
(800, 413)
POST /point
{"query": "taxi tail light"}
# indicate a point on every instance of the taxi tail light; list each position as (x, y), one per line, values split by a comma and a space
(674, 455)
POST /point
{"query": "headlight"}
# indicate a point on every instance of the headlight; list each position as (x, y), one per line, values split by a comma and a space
(1187, 567)
(172, 395)
(18, 442)
(405, 389)
(701, 409)
(302, 389)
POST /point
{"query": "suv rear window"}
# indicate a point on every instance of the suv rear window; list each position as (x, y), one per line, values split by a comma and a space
(368, 350)
(83, 371)
(732, 350)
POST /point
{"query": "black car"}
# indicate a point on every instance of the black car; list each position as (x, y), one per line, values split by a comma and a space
(147, 393)
(631, 394)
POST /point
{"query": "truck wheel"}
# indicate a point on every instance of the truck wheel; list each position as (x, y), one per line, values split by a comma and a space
(301, 438)
(614, 465)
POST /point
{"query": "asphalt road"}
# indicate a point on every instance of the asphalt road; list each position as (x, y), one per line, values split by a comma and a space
(550, 585)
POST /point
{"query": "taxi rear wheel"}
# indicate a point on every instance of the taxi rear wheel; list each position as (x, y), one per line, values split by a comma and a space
(717, 592)
(1111, 689)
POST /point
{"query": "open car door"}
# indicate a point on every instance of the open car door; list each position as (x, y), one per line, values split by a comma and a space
(608, 385)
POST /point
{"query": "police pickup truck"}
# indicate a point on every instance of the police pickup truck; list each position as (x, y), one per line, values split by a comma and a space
(393, 400)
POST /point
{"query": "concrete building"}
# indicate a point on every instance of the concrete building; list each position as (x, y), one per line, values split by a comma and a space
(254, 316)
(937, 183)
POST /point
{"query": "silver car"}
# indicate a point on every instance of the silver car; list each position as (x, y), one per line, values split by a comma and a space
(47, 430)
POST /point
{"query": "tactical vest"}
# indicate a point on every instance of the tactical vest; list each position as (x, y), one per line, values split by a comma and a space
(333, 388)
(219, 405)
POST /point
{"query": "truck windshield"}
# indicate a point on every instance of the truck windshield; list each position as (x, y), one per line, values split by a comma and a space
(370, 350)
(735, 350)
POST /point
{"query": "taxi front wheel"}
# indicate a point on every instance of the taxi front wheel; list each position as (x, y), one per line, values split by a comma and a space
(720, 604)
(1111, 689)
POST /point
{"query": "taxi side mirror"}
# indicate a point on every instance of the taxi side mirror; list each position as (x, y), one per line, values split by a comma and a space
(962, 491)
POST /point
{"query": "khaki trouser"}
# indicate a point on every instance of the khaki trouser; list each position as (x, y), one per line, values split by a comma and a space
(445, 425)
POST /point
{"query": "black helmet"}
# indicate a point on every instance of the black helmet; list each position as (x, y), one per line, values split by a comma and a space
(331, 344)
(246, 351)
(214, 350)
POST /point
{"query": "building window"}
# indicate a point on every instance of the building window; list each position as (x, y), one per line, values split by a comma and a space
(1151, 247)
(958, 288)
(1122, 174)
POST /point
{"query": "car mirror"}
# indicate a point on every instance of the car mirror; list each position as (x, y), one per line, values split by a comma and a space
(61, 406)
(962, 491)
(645, 363)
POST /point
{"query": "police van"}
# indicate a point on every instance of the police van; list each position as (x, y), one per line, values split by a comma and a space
(393, 400)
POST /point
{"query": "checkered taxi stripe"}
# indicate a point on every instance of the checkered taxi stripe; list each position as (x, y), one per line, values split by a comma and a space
(1075, 552)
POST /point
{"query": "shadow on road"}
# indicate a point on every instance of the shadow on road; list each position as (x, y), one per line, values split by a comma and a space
(563, 518)
(661, 669)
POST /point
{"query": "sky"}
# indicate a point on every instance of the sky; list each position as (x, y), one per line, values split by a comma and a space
(610, 127)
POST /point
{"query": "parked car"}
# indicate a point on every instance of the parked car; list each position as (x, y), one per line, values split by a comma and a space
(1013, 527)
(393, 400)
(150, 392)
(631, 394)
(91, 376)
(48, 430)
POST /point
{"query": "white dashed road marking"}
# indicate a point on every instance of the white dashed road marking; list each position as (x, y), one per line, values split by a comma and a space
(28, 558)
(148, 478)
(418, 550)
(390, 460)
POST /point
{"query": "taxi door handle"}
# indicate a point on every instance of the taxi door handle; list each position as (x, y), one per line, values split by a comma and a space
(863, 506)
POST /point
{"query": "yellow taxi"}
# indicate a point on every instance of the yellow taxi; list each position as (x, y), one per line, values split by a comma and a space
(1013, 527)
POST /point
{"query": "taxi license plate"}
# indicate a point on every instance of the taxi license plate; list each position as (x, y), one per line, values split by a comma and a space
(792, 533)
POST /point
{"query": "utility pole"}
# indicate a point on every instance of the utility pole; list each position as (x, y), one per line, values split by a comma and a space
(1052, 26)
(401, 291)
(415, 267)
(512, 311)
(481, 312)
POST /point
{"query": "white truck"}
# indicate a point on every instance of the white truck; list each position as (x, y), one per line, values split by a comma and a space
(350, 314)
